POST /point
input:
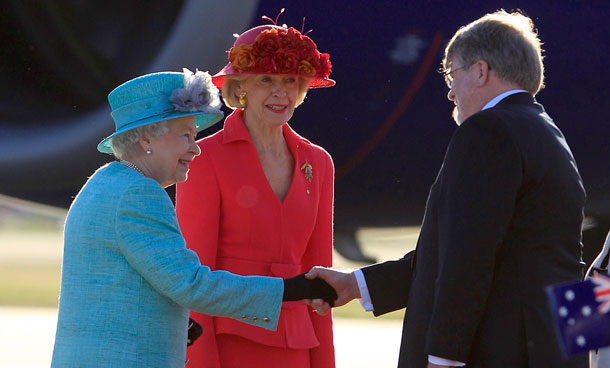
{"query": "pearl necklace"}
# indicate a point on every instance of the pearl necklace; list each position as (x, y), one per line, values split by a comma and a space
(131, 166)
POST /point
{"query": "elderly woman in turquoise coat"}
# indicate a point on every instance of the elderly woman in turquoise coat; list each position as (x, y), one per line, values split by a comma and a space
(128, 280)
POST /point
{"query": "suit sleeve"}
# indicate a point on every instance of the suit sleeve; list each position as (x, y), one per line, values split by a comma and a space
(479, 181)
(389, 283)
(198, 211)
(149, 238)
(319, 253)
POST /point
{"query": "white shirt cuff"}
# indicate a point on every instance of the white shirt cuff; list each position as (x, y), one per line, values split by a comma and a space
(365, 297)
(440, 361)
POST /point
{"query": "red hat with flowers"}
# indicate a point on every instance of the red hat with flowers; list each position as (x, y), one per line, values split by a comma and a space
(273, 49)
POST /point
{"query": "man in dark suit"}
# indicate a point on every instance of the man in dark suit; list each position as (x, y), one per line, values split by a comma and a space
(503, 218)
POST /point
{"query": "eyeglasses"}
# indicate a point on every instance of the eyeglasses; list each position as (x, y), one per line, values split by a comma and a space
(448, 75)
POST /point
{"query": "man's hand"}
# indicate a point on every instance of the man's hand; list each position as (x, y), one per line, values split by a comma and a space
(343, 282)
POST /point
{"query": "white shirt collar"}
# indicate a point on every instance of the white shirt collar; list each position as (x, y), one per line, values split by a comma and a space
(494, 101)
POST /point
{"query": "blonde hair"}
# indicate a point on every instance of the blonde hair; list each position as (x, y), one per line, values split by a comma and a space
(508, 43)
(231, 83)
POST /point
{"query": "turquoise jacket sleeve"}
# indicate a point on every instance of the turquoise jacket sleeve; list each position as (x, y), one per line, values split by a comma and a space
(150, 239)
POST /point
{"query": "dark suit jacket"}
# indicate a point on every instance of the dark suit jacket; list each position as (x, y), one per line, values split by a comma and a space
(503, 220)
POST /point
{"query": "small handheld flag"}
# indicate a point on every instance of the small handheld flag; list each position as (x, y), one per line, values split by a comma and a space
(580, 310)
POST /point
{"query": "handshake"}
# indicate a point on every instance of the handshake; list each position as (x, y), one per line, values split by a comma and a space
(314, 288)
(322, 288)
(300, 287)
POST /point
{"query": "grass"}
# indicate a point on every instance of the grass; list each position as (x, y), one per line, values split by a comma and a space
(30, 258)
(31, 286)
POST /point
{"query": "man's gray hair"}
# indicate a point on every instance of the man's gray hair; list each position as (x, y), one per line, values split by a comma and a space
(508, 43)
(126, 141)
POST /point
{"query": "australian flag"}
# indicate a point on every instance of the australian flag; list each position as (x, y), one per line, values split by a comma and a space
(581, 314)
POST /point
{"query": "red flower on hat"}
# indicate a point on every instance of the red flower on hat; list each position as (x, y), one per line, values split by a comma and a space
(266, 43)
(289, 61)
(266, 63)
(308, 48)
(241, 58)
(306, 68)
(281, 51)
(291, 38)
(325, 64)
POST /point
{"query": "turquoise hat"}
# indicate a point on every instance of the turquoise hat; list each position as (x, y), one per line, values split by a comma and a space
(161, 96)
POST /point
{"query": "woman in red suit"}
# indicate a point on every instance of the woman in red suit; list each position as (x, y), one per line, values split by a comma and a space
(259, 200)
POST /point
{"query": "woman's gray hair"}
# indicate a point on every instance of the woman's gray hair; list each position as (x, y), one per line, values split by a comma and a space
(508, 43)
(232, 82)
(126, 141)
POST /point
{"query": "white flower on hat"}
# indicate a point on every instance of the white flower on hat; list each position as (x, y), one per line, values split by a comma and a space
(198, 94)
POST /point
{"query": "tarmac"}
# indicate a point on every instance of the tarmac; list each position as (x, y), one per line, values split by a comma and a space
(27, 336)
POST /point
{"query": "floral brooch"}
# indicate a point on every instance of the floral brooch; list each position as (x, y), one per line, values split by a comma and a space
(307, 170)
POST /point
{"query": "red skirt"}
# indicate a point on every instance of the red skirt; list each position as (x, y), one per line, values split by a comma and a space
(237, 352)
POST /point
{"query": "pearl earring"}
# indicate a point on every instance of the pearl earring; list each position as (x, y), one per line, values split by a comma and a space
(148, 151)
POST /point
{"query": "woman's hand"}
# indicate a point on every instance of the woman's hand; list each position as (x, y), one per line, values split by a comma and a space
(299, 288)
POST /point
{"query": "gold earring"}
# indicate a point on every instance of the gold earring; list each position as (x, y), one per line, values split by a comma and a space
(242, 99)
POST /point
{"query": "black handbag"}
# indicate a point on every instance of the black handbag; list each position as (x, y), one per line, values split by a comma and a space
(194, 331)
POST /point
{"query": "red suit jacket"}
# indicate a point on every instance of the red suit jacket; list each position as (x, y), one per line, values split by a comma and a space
(234, 221)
